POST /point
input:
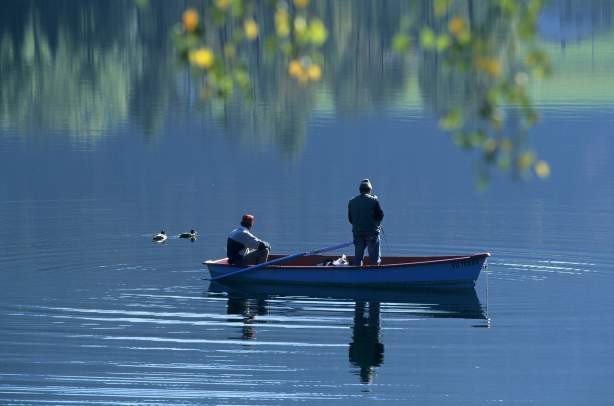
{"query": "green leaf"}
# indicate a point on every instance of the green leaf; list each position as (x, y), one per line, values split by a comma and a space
(532, 117)
(443, 42)
(441, 6)
(400, 43)
(219, 16)
(143, 4)
(236, 8)
(452, 120)
(508, 6)
(464, 37)
(477, 138)
(270, 45)
(242, 78)
(504, 161)
(482, 182)
(427, 38)
(225, 86)
(317, 32)
(287, 48)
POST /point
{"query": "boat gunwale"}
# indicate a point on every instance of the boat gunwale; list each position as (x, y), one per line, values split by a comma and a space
(329, 268)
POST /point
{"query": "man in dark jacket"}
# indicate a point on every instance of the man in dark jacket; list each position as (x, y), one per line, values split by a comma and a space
(243, 248)
(365, 215)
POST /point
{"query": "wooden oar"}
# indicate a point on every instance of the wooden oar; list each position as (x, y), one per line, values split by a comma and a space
(282, 259)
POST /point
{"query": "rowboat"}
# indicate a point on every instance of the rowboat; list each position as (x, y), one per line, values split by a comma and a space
(460, 271)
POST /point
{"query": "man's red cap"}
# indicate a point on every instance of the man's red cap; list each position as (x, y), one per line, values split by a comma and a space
(248, 218)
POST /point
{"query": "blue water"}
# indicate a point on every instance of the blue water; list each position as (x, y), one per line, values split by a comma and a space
(91, 312)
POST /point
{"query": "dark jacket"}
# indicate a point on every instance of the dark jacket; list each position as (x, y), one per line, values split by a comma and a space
(365, 215)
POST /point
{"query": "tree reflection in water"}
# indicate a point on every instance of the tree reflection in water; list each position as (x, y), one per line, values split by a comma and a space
(84, 68)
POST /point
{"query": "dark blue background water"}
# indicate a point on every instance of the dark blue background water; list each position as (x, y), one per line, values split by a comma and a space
(92, 312)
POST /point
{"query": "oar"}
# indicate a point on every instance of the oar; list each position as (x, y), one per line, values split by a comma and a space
(282, 259)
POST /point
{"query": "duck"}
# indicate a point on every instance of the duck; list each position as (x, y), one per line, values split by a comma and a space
(160, 237)
(191, 235)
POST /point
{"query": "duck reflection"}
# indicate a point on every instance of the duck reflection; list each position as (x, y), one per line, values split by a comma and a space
(366, 350)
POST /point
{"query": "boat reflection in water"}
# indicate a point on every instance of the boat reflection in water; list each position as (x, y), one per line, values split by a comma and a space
(366, 350)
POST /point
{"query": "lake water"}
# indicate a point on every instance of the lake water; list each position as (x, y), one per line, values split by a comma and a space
(103, 142)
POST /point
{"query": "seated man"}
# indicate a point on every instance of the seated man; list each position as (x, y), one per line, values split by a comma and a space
(243, 248)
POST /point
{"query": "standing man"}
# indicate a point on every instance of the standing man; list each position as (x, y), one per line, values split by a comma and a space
(243, 248)
(365, 215)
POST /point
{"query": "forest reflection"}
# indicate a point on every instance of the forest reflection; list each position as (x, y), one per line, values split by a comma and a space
(84, 68)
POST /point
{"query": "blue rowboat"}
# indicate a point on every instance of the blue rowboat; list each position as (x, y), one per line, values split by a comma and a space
(460, 271)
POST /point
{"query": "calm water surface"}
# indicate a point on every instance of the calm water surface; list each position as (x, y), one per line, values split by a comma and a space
(91, 312)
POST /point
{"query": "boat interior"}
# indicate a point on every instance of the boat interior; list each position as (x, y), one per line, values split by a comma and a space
(326, 260)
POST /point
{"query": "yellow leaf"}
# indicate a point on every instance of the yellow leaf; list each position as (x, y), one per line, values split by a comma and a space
(314, 72)
(456, 26)
(489, 65)
(525, 160)
(251, 29)
(490, 146)
(542, 169)
(190, 19)
(295, 68)
(300, 25)
(301, 3)
(222, 4)
(202, 57)
(282, 25)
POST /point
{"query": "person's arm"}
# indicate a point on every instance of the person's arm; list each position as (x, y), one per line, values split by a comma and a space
(350, 213)
(379, 213)
(250, 241)
(256, 243)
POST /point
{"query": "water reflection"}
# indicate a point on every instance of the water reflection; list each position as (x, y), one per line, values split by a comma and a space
(247, 307)
(83, 68)
(366, 349)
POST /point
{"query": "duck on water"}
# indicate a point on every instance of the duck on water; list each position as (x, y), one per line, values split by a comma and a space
(160, 237)
(191, 235)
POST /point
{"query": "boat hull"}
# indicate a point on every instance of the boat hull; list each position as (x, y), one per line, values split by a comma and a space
(401, 272)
